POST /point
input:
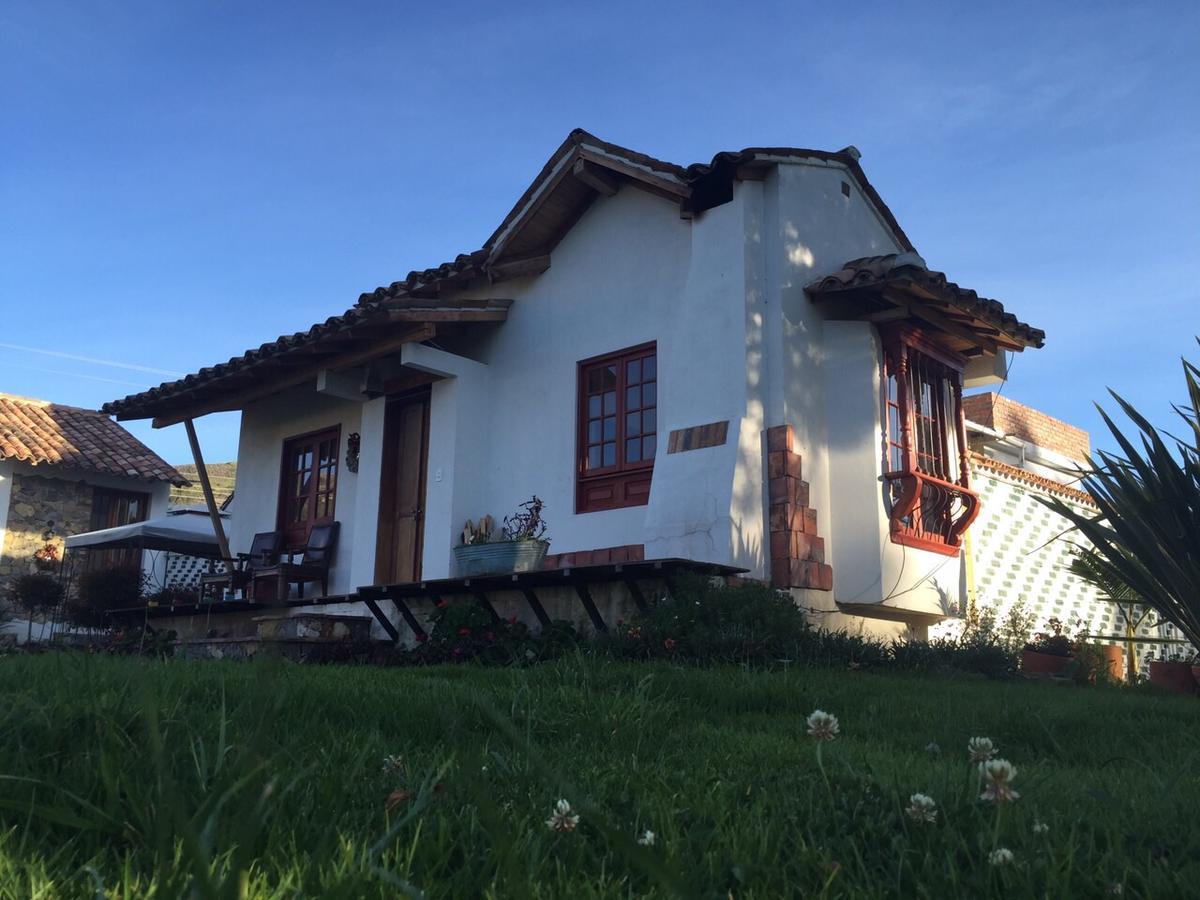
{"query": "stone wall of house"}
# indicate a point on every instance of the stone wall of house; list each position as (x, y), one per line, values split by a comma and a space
(38, 505)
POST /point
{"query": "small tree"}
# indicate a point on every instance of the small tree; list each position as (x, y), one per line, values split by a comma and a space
(35, 594)
(1146, 536)
(103, 590)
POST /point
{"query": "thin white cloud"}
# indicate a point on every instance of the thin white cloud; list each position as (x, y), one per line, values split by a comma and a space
(138, 384)
(90, 359)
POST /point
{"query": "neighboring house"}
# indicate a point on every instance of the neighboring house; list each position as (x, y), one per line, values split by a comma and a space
(1019, 549)
(741, 362)
(66, 470)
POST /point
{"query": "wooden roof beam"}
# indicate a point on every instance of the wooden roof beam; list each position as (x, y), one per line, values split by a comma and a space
(598, 179)
(266, 385)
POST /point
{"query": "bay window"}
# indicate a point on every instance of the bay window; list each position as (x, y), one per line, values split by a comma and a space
(926, 471)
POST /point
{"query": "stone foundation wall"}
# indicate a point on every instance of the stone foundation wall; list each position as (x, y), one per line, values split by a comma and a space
(38, 505)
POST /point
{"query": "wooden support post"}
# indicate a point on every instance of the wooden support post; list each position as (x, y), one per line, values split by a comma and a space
(590, 605)
(635, 591)
(482, 599)
(209, 500)
(384, 621)
(536, 605)
(409, 619)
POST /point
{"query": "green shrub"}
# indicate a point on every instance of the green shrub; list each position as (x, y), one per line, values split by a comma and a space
(464, 632)
(103, 590)
(36, 593)
(712, 622)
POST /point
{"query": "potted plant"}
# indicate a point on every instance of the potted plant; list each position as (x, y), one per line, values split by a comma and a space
(1050, 651)
(1173, 674)
(520, 545)
(37, 594)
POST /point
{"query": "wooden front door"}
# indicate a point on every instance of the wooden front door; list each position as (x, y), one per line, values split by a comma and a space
(402, 490)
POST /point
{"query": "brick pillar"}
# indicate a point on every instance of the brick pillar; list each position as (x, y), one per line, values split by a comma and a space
(797, 552)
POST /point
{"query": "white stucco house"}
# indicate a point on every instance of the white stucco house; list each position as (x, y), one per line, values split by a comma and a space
(742, 362)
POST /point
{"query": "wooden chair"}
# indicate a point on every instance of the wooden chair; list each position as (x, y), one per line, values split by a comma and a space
(313, 566)
(264, 553)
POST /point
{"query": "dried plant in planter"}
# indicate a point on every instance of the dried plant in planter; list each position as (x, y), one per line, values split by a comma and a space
(478, 532)
(527, 523)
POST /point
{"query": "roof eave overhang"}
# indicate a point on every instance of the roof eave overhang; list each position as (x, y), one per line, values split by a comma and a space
(975, 326)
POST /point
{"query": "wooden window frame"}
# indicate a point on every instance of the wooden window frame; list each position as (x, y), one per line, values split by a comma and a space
(931, 503)
(622, 484)
(108, 559)
(292, 543)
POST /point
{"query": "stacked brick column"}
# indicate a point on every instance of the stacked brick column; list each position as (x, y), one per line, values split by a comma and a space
(797, 553)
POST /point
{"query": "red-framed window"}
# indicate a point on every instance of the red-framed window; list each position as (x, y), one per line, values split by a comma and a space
(308, 484)
(617, 429)
(926, 471)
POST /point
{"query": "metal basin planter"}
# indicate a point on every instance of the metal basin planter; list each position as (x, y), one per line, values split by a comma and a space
(499, 558)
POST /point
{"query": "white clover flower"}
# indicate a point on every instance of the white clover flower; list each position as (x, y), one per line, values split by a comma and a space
(1041, 828)
(1115, 889)
(932, 748)
(998, 775)
(563, 818)
(646, 838)
(981, 749)
(393, 764)
(922, 808)
(1001, 856)
(822, 726)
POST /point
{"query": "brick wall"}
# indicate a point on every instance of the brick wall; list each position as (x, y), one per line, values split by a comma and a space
(38, 505)
(1019, 420)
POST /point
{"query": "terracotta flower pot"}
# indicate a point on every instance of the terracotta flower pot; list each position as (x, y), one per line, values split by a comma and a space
(1035, 663)
(1174, 676)
(1114, 658)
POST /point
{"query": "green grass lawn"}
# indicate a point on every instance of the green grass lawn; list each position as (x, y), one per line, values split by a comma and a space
(130, 778)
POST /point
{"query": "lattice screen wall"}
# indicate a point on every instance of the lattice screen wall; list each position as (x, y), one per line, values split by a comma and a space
(1016, 555)
(184, 571)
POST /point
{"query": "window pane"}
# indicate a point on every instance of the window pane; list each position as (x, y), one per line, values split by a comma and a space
(649, 368)
(610, 428)
(593, 432)
(610, 403)
(650, 394)
(633, 397)
(602, 378)
(633, 424)
(593, 457)
(648, 447)
(649, 421)
(610, 454)
(593, 406)
(633, 450)
(633, 371)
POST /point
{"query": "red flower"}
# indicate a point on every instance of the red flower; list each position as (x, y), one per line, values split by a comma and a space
(458, 651)
(422, 638)
(441, 604)
(491, 637)
(512, 620)
(669, 643)
(464, 632)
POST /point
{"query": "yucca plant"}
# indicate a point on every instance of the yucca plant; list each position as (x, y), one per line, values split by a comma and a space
(1146, 535)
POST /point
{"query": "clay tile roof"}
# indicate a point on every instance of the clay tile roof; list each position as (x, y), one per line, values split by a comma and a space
(1047, 485)
(41, 433)
(908, 270)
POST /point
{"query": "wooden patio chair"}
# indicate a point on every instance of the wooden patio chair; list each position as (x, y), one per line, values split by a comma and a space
(264, 552)
(313, 566)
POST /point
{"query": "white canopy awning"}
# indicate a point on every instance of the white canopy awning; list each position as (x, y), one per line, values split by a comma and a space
(184, 531)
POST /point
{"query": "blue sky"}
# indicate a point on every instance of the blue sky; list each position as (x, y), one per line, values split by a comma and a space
(182, 181)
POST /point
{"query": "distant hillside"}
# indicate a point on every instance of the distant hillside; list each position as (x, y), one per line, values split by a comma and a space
(221, 475)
